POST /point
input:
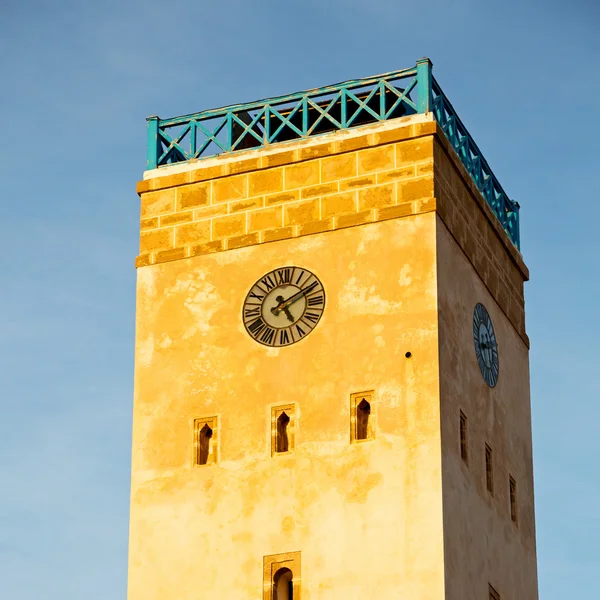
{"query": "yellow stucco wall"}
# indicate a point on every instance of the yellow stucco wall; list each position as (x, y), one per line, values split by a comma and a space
(366, 517)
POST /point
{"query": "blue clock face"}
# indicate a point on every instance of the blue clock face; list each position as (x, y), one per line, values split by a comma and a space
(486, 348)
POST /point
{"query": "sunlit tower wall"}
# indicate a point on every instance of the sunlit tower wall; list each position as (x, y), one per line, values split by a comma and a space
(331, 362)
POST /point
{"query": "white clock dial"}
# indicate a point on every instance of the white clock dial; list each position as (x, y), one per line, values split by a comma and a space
(284, 306)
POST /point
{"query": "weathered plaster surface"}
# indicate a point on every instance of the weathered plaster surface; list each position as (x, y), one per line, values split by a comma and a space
(366, 517)
(482, 544)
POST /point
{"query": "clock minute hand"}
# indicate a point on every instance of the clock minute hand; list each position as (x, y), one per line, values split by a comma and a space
(284, 305)
(299, 295)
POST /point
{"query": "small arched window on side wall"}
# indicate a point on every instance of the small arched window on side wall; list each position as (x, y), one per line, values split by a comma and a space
(282, 429)
(361, 417)
(283, 585)
(205, 441)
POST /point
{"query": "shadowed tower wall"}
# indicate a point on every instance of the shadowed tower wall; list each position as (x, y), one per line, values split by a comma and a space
(404, 246)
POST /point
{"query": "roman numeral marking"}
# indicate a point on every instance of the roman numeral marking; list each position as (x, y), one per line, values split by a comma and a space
(268, 283)
(251, 312)
(312, 317)
(300, 277)
(256, 327)
(284, 276)
(311, 287)
(301, 333)
(268, 336)
(316, 300)
(257, 296)
(480, 362)
(284, 337)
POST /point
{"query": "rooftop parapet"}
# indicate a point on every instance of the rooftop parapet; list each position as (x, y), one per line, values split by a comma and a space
(324, 110)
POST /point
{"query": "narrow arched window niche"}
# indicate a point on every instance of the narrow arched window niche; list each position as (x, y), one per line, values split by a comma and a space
(282, 429)
(282, 576)
(363, 412)
(204, 436)
(362, 417)
(205, 441)
(283, 421)
(283, 584)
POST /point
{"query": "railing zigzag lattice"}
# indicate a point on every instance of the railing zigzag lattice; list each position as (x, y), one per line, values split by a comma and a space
(472, 158)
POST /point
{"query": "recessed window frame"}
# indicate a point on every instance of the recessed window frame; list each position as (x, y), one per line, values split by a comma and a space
(492, 593)
(512, 499)
(274, 563)
(213, 449)
(464, 437)
(276, 413)
(489, 469)
(355, 401)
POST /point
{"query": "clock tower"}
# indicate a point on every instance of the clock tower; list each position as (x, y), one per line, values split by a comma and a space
(331, 361)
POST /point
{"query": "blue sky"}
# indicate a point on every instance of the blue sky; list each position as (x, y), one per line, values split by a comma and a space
(77, 81)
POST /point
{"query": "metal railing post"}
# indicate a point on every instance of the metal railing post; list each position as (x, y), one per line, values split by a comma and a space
(424, 66)
(152, 142)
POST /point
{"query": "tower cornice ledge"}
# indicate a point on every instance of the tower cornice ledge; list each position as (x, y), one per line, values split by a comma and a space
(209, 171)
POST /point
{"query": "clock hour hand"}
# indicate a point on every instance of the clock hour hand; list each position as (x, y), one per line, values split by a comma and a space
(282, 307)
(486, 346)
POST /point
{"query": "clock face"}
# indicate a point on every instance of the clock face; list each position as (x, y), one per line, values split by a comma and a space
(486, 348)
(284, 306)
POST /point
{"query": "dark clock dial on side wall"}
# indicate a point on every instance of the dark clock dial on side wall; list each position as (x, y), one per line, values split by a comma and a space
(486, 347)
(284, 306)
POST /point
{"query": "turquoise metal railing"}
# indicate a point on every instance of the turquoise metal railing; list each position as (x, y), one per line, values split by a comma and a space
(322, 110)
(472, 158)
